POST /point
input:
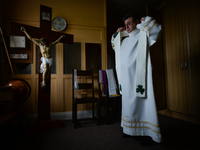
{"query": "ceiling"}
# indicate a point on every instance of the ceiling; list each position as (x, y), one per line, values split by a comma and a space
(117, 8)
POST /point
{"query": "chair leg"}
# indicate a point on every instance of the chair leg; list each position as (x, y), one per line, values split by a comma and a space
(100, 115)
(75, 116)
(72, 112)
(98, 112)
(107, 112)
(93, 111)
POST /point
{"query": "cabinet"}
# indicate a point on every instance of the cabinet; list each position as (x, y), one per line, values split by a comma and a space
(181, 29)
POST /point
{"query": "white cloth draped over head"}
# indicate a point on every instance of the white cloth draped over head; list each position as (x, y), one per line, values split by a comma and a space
(45, 61)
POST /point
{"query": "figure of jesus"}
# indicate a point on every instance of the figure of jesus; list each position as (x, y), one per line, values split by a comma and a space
(45, 49)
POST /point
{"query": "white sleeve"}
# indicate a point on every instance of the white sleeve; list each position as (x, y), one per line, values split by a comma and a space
(152, 28)
(117, 37)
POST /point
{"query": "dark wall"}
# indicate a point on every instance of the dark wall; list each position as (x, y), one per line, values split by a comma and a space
(4, 65)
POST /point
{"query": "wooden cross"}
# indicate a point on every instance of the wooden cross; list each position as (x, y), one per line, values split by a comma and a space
(43, 31)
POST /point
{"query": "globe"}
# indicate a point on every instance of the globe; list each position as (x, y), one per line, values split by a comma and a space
(21, 90)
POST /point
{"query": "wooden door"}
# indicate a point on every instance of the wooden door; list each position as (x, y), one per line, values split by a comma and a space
(174, 55)
(157, 60)
(192, 13)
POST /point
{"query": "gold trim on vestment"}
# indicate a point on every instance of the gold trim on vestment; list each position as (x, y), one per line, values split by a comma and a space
(142, 127)
(113, 45)
(157, 126)
(151, 27)
(147, 24)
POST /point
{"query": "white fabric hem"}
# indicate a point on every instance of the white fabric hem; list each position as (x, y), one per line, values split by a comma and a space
(142, 129)
(147, 132)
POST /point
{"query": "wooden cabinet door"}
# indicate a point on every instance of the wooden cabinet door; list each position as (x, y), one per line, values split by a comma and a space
(157, 60)
(174, 55)
(192, 11)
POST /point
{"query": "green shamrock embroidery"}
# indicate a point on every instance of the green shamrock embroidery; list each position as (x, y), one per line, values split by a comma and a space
(140, 89)
(120, 87)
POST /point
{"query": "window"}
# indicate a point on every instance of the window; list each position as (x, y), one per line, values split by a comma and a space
(72, 57)
(93, 56)
(22, 68)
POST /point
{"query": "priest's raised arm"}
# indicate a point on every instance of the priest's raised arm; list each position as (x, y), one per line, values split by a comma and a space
(151, 27)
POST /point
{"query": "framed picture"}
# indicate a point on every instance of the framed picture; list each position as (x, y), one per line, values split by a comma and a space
(17, 42)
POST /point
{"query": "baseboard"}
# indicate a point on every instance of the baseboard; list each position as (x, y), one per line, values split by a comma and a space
(88, 114)
(68, 115)
(64, 115)
(181, 116)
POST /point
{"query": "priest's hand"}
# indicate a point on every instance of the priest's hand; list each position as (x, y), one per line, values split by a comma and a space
(121, 29)
(142, 19)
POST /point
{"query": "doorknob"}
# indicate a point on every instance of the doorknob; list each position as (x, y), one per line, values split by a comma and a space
(186, 65)
(181, 65)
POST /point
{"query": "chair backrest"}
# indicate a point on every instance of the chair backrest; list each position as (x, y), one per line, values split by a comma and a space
(84, 80)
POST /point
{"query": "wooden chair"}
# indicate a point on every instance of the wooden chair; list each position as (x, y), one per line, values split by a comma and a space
(83, 93)
(108, 102)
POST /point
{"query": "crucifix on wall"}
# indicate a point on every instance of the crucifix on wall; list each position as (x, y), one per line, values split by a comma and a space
(47, 38)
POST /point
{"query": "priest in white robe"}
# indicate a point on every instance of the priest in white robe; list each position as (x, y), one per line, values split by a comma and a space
(134, 72)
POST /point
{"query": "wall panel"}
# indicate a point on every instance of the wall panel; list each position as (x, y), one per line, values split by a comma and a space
(86, 21)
